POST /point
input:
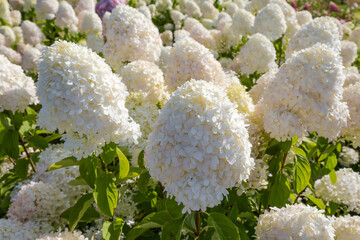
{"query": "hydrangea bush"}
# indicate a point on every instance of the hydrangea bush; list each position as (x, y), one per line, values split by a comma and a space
(179, 119)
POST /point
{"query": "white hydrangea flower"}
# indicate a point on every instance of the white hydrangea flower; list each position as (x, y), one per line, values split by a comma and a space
(38, 201)
(348, 52)
(167, 37)
(89, 22)
(346, 190)
(80, 95)
(46, 9)
(163, 5)
(13, 56)
(146, 77)
(321, 30)
(95, 42)
(164, 57)
(355, 36)
(290, 17)
(9, 34)
(61, 177)
(296, 221)
(177, 17)
(256, 5)
(192, 9)
(303, 17)
(30, 58)
(32, 33)
(306, 96)
(199, 146)
(257, 179)
(257, 55)
(5, 11)
(17, 4)
(270, 21)
(66, 17)
(64, 235)
(131, 36)
(29, 4)
(18, 35)
(352, 98)
(191, 60)
(13, 229)
(346, 227)
(352, 76)
(5, 166)
(237, 94)
(126, 207)
(199, 33)
(15, 17)
(208, 10)
(348, 156)
(17, 90)
(261, 84)
(242, 22)
(4, 41)
(85, 5)
(230, 7)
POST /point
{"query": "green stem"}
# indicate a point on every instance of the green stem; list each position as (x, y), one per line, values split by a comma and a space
(27, 153)
(197, 223)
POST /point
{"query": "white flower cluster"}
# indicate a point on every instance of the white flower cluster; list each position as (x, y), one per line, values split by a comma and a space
(64, 235)
(6, 165)
(352, 76)
(199, 146)
(82, 97)
(191, 60)
(296, 221)
(242, 22)
(30, 58)
(32, 33)
(38, 201)
(13, 229)
(13, 56)
(60, 177)
(346, 190)
(237, 94)
(270, 21)
(346, 227)
(199, 33)
(352, 98)
(257, 55)
(305, 95)
(126, 207)
(66, 17)
(257, 179)
(303, 17)
(348, 156)
(46, 9)
(321, 30)
(130, 36)
(348, 52)
(17, 90)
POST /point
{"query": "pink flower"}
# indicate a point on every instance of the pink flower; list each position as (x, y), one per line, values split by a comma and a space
(306, 7)
(293, 4)
(107, 6)
(334, 7)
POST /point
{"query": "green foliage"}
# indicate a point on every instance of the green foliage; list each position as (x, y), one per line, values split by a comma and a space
(112, 230)
(225, 229)
(79, 209)
(106, 194)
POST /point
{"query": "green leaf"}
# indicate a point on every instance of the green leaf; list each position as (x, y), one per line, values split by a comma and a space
(141, 159)
(17, 120)
(333, 176)
(135, 232)
(276, 146)
(124, 166)
(224, 227)
(106, 194)
(88, 170)
(109, 153)
(302, 173)
(143, 182)
(52, 137)
(77, 181)
(66, 162)
(112, 230)
(299, 151)
(79, 210)
(38, 142)
(330, 162)
(155, 220)
(280, 191)
(21, 168)
(172, 229)
(174, 209)
(317, 202)
(11, 143)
